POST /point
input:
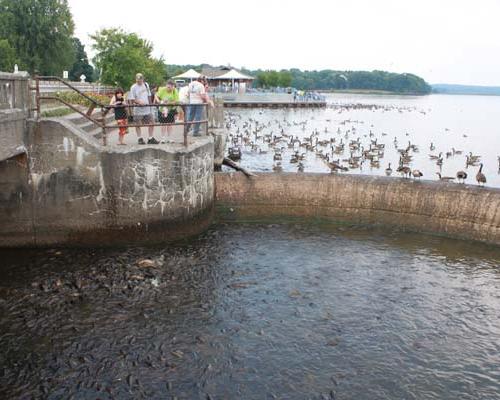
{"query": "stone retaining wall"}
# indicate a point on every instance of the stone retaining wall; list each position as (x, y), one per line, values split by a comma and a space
(461, 211)
(70, 190)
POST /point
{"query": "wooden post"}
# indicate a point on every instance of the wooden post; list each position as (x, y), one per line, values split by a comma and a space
(103, 125)
(37, 96)
(186, 126)
(91, 109)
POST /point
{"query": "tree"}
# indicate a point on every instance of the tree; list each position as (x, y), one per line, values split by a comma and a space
(120, 55)
(81, 65)
(7, 56)
(262, 79)
(285, 79)
(40, 32)
(274, 78)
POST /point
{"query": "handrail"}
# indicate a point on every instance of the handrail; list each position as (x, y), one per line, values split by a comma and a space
(105, 108)
(74, 109)
(56, 78)
(184, 123)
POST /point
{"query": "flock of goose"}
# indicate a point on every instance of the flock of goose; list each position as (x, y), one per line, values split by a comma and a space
(343, 149)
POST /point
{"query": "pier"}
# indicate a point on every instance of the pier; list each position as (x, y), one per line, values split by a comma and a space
(275, 104)
(268, 100)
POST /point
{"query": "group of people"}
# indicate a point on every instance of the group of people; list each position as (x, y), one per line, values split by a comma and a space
(300, 95)
(145, 106)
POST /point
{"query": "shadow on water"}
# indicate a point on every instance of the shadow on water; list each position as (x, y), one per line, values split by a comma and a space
(254, 311)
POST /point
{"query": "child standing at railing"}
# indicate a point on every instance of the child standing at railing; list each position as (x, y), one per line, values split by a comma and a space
(118, 101)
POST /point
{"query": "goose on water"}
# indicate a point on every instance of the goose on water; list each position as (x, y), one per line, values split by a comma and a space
(388, 170)
(417, 174)
(461, 176)
(404, 171)
(445, 178)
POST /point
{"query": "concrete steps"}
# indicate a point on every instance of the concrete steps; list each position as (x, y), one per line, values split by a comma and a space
(88, 126)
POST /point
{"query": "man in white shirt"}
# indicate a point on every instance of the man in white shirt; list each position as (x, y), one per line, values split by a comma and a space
(140, 94)
(197, 96)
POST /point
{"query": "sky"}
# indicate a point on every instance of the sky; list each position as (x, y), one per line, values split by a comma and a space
(443, 41)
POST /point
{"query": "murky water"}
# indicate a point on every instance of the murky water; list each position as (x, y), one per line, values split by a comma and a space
(464, 123)
(254, 312)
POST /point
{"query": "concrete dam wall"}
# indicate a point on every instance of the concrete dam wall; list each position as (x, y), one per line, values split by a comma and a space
(60, 186)
(461, 211)
(69, 190)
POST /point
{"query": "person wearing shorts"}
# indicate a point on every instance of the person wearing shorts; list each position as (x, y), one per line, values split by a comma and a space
(167, 94)
(140, 95)
(118, 103)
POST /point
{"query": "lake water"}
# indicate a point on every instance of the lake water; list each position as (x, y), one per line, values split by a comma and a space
(254, 312)
(466, 123)
(274, 311)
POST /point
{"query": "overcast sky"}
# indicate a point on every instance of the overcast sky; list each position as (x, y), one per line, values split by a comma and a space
(444, 41)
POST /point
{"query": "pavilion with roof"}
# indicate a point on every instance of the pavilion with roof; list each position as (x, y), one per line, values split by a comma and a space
(189, 74)
(224, 79)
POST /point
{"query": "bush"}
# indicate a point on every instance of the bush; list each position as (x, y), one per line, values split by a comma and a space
(77, 99)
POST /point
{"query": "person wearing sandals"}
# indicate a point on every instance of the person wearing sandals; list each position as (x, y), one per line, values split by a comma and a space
(167, 95)
(118, 101)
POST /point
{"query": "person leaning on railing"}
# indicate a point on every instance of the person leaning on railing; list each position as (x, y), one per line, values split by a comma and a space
(167, 94)
(118, 101)
(183, 99)
(197, 97)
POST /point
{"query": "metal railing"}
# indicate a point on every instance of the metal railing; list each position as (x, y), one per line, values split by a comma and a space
(106, 108)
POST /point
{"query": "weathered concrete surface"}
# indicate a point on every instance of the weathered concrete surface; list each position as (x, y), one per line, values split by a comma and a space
(220, 139)
(15, 106)
(15, 202)
(73, 191)
(461, 211)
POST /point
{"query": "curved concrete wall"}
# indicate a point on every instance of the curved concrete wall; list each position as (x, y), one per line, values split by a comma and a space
(461, 211)
(73, 191)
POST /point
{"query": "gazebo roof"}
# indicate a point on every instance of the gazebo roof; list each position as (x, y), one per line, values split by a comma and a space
(234, 74)
(189, 74)
(214, 72)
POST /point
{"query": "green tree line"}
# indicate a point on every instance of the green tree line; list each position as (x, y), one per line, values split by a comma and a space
(359, 80)
(328, 79)
(342, 80)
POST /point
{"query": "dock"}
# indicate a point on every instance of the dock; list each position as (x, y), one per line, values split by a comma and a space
(275, 104)
(268, 100)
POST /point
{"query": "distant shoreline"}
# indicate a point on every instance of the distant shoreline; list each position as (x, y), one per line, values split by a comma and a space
(467, 94)
(388, 93)
(371, 91)
(474, 90)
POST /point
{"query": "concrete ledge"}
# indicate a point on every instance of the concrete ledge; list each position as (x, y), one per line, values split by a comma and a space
(461, 211)
(20, 76)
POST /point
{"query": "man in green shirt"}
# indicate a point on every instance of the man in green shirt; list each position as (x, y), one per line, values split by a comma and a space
(167, 95)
